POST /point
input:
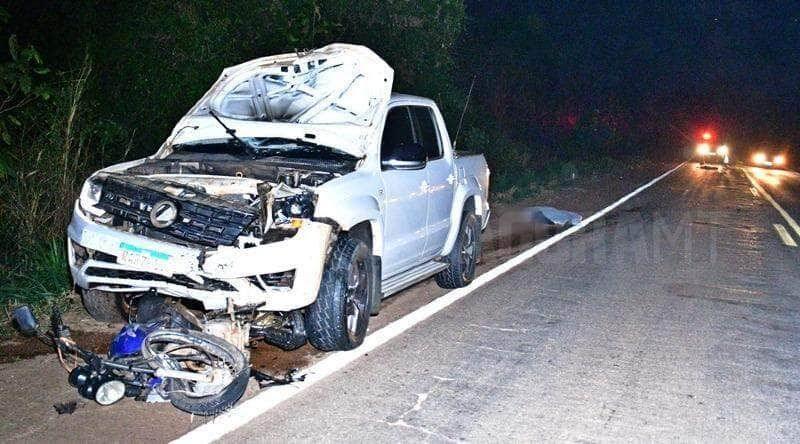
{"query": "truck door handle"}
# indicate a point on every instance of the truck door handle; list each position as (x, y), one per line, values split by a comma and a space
(451, 179)
(424, 186)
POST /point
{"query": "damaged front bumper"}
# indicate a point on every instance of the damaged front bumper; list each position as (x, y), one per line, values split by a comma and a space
(279, 276)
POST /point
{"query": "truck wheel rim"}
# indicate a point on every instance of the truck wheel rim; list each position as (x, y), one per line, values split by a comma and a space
(467, 252)
(356, 300)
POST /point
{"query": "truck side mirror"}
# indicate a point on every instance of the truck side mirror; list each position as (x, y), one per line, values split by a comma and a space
(410, 156)
(26, 321)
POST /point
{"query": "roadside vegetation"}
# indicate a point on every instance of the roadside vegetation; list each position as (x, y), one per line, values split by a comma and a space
(86, 83)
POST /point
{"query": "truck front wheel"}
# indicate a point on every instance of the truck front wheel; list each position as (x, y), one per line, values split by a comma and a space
(463, 256)
(338, 319)
(104, 306)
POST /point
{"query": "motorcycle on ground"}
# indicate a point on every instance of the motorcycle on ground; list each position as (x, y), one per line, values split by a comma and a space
(165, 358)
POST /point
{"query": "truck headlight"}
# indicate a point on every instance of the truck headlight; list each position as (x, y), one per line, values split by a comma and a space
(299, 206)
(90, 196)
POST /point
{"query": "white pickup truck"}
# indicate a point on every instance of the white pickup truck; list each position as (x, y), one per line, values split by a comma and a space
(294, 196)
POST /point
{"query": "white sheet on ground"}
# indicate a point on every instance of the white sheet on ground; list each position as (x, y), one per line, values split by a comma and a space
(553, 216)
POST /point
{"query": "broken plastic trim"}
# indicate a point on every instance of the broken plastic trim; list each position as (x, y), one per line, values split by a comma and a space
(287, 337)
(266, 380)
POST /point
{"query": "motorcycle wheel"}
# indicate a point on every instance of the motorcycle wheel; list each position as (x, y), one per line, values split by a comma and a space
(201, 353)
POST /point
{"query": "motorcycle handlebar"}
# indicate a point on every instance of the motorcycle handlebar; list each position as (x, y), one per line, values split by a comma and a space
(96, 361)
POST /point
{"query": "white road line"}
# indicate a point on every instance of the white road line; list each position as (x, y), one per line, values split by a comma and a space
(769, 198)
(753, 190)
(783, 233)
(263, 402)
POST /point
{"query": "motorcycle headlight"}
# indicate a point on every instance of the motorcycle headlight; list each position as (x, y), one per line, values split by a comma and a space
(110, 392)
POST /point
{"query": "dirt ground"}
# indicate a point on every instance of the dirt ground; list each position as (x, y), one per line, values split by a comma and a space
(509, 231)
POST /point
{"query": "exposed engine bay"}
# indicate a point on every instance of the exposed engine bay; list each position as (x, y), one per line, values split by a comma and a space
(213, 202)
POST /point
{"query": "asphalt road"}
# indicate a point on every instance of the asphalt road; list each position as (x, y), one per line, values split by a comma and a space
(784, 187)
(676, 317)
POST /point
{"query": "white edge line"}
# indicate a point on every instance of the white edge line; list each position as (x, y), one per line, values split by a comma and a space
(263, 402)
(783, 233)
(769, 198)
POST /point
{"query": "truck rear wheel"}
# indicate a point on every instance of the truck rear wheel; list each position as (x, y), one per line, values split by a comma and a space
(463, 256)
(338, 319)
(104, 306)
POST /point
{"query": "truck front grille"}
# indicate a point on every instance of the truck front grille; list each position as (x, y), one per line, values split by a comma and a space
(212, 223)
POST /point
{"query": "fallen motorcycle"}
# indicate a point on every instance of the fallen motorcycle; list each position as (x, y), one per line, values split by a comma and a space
(163, 359)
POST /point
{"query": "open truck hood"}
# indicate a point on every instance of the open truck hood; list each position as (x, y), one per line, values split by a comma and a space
(329, 96)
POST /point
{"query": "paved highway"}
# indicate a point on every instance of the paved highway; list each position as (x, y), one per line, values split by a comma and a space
(676, 317)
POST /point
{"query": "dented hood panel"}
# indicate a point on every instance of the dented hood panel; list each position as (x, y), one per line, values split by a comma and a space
(330, 96)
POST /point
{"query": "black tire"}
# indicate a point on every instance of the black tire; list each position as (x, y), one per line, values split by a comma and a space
(344, 293)
(104, 306)
(463, 256)
(148, 307)
(213, 346)
(215, 404)
(153, 307)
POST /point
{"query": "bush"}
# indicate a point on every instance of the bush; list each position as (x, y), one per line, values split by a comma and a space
(42, 281)
(154, 59)
(53, 144)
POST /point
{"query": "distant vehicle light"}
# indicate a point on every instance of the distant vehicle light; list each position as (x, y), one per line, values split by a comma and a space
(706, 136)
(760, 158)
(779, 160)
(703, 149)
(723, 150)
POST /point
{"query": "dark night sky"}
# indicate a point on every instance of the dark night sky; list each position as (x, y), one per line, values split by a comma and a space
(732, 64)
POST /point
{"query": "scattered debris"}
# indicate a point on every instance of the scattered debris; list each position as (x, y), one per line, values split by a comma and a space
(267, 380)
(67, 408)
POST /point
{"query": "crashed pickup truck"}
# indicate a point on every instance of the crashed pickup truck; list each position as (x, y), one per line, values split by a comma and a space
(292, 197)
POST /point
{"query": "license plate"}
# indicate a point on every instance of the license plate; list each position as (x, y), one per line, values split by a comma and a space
(143, 258)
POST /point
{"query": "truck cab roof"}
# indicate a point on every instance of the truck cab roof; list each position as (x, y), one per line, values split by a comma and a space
(407, 98)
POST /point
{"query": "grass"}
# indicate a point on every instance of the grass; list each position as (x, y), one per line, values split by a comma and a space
(509, 186)
(53, 150)
(43, 282)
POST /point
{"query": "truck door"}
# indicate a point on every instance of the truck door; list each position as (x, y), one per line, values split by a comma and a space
(406, 198)
(441, 180)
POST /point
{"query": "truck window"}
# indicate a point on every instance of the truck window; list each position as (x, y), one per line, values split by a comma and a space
(427, 134)
(397, 131)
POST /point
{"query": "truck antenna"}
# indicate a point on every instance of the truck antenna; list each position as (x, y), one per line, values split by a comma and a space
(463, 111)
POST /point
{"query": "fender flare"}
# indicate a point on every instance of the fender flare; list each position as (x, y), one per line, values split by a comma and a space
(369, 211)
(463, 193)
